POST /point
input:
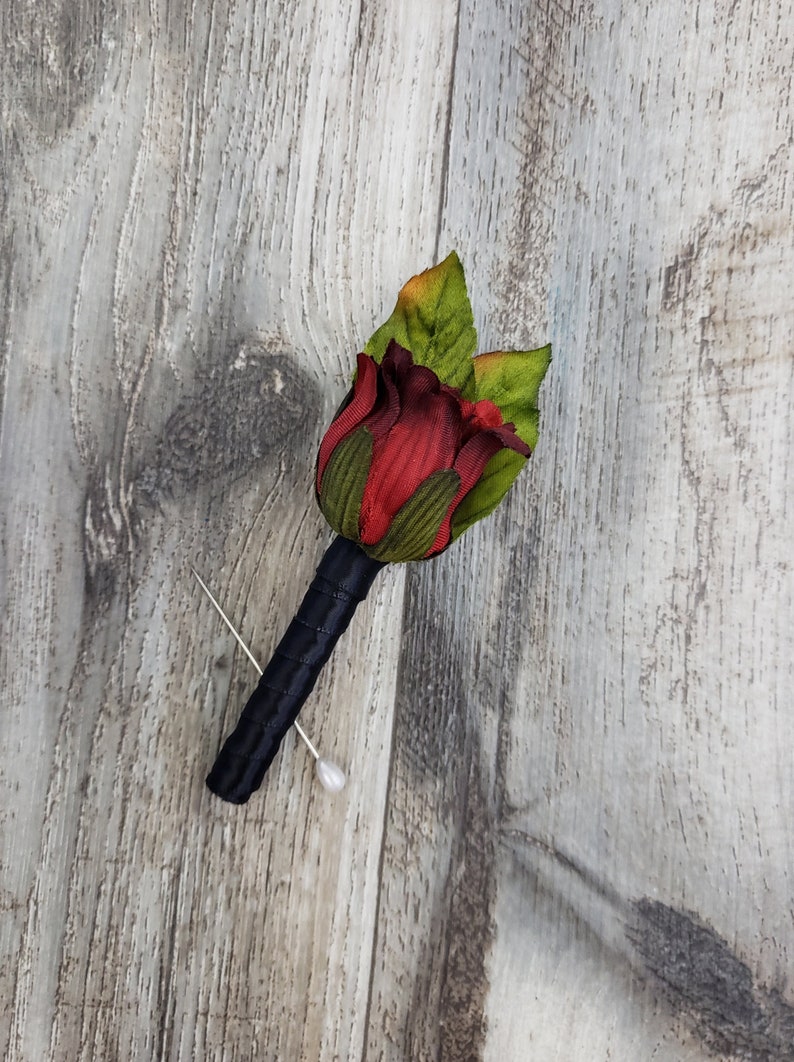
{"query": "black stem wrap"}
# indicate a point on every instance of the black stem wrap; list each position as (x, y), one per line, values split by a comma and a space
(343, 579)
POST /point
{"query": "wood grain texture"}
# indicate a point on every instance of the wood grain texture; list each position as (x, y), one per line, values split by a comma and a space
(566, 833)
(596, 822)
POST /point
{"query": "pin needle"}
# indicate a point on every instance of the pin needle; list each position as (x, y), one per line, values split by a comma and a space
(331, 777)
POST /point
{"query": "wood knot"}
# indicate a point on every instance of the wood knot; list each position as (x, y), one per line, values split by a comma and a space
(258, 405)
(106, 534)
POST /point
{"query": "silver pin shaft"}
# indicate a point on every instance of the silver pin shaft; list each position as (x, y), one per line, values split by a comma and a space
(249, 654)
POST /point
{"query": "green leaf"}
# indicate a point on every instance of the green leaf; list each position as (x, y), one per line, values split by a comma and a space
(415, 525)
(511, 380)
(343, 482)
(433, 320)
(488, 491)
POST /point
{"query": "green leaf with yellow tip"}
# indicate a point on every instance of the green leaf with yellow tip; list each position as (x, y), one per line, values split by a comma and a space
(414, 528)
(511, 380)
(433, 320)
(343, 482)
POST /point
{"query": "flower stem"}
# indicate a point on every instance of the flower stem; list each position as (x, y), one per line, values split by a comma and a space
(343, 579)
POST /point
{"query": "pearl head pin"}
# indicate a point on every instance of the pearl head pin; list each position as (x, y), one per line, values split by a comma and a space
(331, 777)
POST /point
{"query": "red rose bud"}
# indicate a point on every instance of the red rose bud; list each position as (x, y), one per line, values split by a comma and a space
(428, 442)
(401, 456)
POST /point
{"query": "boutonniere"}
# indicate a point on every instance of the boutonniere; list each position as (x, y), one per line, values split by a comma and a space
(427, 442)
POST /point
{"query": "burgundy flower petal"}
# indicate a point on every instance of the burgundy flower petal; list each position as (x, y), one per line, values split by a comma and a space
(470, 465)
(418, 426)
(386, 410)
(418, 381)
(425, 438)
(365, 391)
(398, 358)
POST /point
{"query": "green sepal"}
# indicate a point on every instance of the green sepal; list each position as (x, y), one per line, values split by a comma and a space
(413, 530)
(495, 481)
(511, 380)
(433, 320)
(343, 482)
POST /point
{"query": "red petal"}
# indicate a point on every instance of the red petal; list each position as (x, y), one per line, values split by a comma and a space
(478, 416)
(487, 414)
(365, 390)
(399, 357)
(412, 380)
(513, 441)
(425, 439)
(387, 405)
(470, 465)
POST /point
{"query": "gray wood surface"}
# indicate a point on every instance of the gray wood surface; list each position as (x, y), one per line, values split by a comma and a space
(567, 832)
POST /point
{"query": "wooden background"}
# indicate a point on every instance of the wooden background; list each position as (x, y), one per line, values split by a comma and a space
(567, 833)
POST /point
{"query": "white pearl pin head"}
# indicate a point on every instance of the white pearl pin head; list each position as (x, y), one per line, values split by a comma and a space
(331, 777)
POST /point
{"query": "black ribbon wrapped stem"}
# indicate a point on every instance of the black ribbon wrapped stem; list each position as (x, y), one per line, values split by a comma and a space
(343, 579)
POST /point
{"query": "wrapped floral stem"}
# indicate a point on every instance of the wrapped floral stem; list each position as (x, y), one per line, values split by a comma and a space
(428, 441)
(343, 579)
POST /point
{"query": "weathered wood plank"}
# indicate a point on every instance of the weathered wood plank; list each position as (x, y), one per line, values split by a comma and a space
(588, 852)
(202, 231)
(579, 846)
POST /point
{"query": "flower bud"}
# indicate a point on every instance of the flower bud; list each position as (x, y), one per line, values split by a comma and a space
(402, 455)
